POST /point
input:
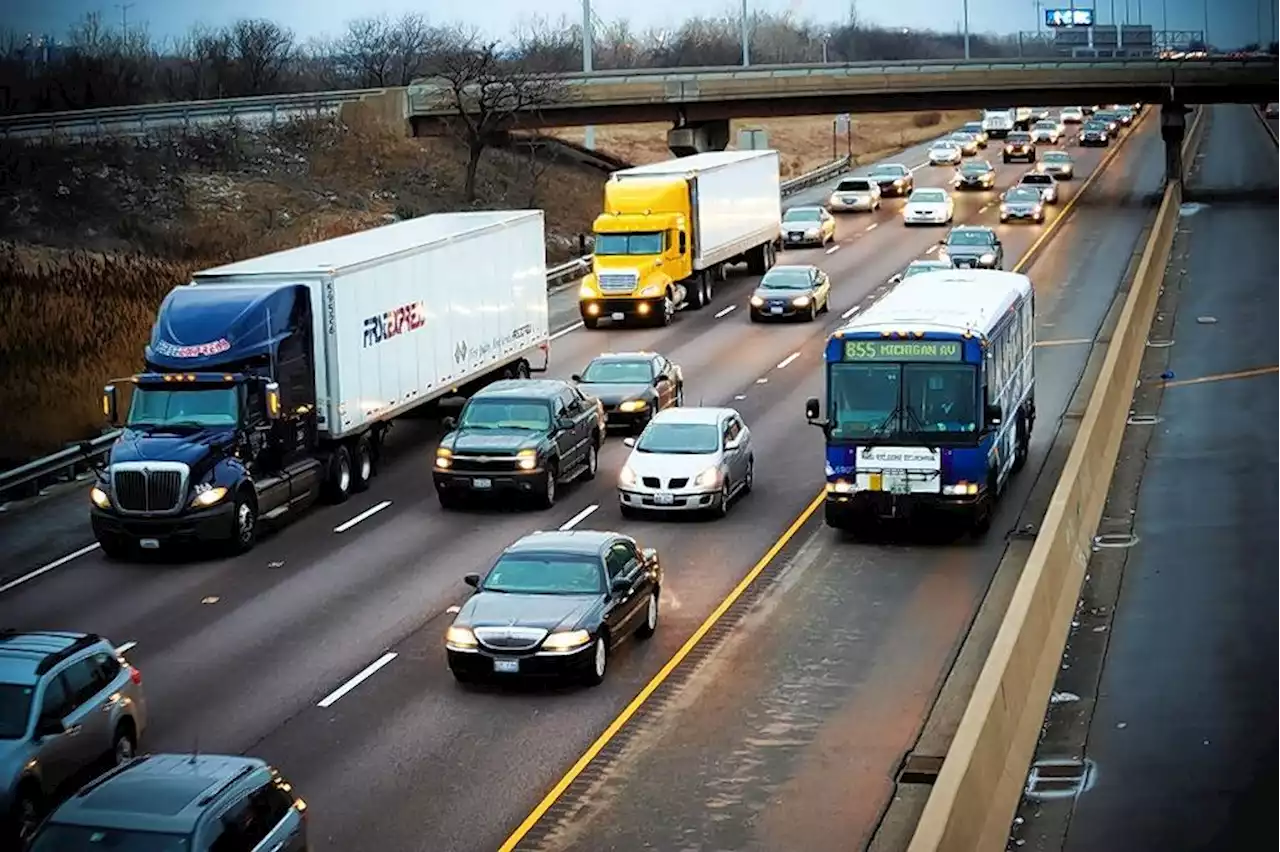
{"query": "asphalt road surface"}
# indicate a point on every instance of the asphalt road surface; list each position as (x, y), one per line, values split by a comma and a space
(1166, 706)
(237, 654)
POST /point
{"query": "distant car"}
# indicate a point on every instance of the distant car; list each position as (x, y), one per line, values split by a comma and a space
(68, 702)
(975, 174)
(1094, 134)
(791, 291)
(1057, 163)
(688, 460)
(808, 226)
(1271, 110)
(1071, 115)
(1040, 113)
(1110, 119)
(918, 267)
(1023, 204)
(186, 802)
(967, 141)
(632, 386)
(892, 178)
(1042, 183)
(945, 153)
(929, 206)
(1019, 146)
(1046, 131)
(974, 129)
(853, 194)
(973, 247)
(556, 604)
(1126, 115)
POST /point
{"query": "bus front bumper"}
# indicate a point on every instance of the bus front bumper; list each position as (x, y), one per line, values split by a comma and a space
(844, 509)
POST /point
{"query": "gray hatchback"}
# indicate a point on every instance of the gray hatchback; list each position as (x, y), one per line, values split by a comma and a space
(67, 702)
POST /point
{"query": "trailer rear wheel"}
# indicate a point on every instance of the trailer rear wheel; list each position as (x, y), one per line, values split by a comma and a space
(363, 468)
(338, 480)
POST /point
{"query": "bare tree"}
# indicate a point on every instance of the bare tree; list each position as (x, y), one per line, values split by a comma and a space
(366, 52)
(263, 50)
(486, 93)
(413, 42)
(546, 46)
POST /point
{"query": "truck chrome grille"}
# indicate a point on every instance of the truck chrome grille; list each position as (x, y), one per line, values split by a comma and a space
(483, 464)
(510, 638)
(149, 487)
(617, 282)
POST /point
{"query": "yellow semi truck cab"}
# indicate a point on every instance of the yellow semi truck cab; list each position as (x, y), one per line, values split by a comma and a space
(668, 230)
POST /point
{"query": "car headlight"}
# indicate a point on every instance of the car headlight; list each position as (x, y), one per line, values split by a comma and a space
(833, 200)
(756, 301)
(1004, 208)
(633, 405)
(444, 457)
(708, 478)
(812, 232)
(800, 301)
(566, 640)
(898, 182)
(652, 290)
(460, 638)
(1039, 209)
(586, 291)
(626, 476)
(99, 497)
(208, 495)
(527, 459)
(987, 258)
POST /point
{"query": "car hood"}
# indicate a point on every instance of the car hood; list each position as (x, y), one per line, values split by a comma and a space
(781, 293)
(612, 394)
(926, 207)
(807, 225)
(943, 153)
(1019, 204)
(975, 177)
(503, 609)
(886, 180)
(490, 440)
(968, 251)
(667, 465)
(158, 444)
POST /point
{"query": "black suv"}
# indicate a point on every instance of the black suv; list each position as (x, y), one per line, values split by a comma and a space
(1019, 146)
(519, 436)
(199, 803)
(973, 247)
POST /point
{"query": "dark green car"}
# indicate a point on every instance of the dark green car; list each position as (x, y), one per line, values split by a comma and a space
(519, 438)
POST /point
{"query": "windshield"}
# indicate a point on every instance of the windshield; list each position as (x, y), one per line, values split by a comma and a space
(545, 574)
(929, 196)
(947, 145)
(973, 168)
(892, 401)
(1046, 125)
(609, 372)
(1047, 180)
(974, 127)
(1056, 157)
(924, 266)
(787, 279)
(614, 244)
(79, 838)
(680, 439)
(969, 238)
(194, 407)
(15, 710)
(889, 171)
(1095, 125)
(801, 215)
(506, 414)
(1022, 195)
(1019, 137)
(853, 186)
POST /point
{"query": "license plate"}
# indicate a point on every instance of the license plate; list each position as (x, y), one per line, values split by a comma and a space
(795, 236)
(664, 499)
(482, 483)
(506, 666)
(775, 310)
(149, 544)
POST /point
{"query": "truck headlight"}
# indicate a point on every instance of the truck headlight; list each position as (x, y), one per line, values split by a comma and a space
(987, 258)
(626, 476)
(633, 405)
(708, 478)
(800, 301)
(652, 290)
(566, 640)
(460, 638)
(527, 459)
(99, 497)
(207, 495)
(444, 458)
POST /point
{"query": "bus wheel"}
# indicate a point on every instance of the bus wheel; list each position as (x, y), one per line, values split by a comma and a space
(1022, 441)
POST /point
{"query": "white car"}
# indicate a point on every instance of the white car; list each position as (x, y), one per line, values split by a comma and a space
(687, 460)
(1071, 115)
(945, 153)
(1042, 182)
(854, 194)
(1046, 131)
(929, 207)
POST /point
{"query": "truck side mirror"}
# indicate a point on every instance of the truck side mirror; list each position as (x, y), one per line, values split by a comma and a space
(272, 402)
(812, 409)
(109, 406)
(682, 242)
(994, 414)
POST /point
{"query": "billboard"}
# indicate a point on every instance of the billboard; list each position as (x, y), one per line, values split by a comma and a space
(1068, 17)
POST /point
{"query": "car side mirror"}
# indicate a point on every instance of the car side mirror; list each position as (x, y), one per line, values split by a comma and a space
(450, 423)
(896, 279)
(620, 586)
(942, 242)
(649, 555)
(564, 423)
(577, 377)
(812, 409)
(472, 580)
(660, 378)
(732, 444)
(628, 442)
(49, 726)
(995, 415)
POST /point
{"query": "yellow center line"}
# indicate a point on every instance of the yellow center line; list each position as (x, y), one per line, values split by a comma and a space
(1222, 377)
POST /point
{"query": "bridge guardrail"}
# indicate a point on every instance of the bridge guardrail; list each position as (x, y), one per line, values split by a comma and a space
(66, 465)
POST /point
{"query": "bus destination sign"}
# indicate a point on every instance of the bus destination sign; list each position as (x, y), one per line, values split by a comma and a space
(903, 350)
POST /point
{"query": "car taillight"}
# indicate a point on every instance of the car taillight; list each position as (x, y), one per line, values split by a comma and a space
(135, 675)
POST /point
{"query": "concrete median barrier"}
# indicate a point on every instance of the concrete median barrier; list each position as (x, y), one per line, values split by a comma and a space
(978, 788)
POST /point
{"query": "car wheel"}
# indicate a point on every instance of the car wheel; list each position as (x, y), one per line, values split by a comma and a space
(125, 745)
(448, 501)
(749, 478)
(721, 507)
(679, 395)
(599, 662)
(26, 813)
(650, 625)
(813, 311)
(628, 511)
(593, 463)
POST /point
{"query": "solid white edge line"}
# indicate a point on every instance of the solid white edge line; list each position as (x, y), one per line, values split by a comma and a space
(782, 365)
(578, 518)
(726, 311)
(851, 312)
(363, 516)
(57, 563)
(835, 248)
(368, 672)
(873, 226)
(562, 332)
(126, 647)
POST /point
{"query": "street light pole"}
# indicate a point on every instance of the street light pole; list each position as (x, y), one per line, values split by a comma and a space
(746, 37)
(588, 43)
(966, 29)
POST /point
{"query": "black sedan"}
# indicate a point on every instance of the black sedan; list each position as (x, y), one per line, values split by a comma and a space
(975, 174)
(1095, 133)
(893, 179)
(791, 291)
(632, 386)
(555, 604)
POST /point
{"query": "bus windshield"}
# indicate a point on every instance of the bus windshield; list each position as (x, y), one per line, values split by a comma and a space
(887, 402)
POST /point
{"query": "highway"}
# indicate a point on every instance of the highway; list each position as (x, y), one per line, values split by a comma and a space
(1166, 691)
(238, 654)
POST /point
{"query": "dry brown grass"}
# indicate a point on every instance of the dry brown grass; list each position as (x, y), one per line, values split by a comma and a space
(804, 143)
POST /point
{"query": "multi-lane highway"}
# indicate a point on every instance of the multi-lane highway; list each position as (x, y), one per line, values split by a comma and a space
(274, 652)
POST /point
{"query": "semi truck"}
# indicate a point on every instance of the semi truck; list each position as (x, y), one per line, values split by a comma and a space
(270, 384)
(669, 230)
(998, 123)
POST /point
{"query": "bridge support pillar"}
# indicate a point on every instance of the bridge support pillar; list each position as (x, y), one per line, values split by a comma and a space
(1173, 129)
(686, 139)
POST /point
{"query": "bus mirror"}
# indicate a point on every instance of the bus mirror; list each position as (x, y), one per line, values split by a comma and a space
(994, 414)
(812, 409)
(109, 407)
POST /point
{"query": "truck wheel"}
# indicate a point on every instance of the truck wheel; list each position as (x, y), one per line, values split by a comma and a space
(113, 548)
(591, 464)
(546, 494)
(363, 469)
(245, 532)
(338, 480)
(591, 323)
(668, 311)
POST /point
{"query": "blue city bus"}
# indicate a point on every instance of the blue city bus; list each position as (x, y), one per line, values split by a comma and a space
(930, 399)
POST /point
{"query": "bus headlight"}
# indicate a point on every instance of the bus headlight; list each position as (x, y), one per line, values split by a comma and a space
(840, 486)
(586, 291)
(960, 489)
(651, 290)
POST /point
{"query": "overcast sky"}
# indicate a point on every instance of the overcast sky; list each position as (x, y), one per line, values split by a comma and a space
(1231, 22)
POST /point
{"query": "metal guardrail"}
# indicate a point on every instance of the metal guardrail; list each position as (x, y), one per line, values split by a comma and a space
(68, 464)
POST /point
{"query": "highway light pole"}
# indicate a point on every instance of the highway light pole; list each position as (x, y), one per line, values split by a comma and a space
(966, 29)
(746, 37)
(588, 42)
